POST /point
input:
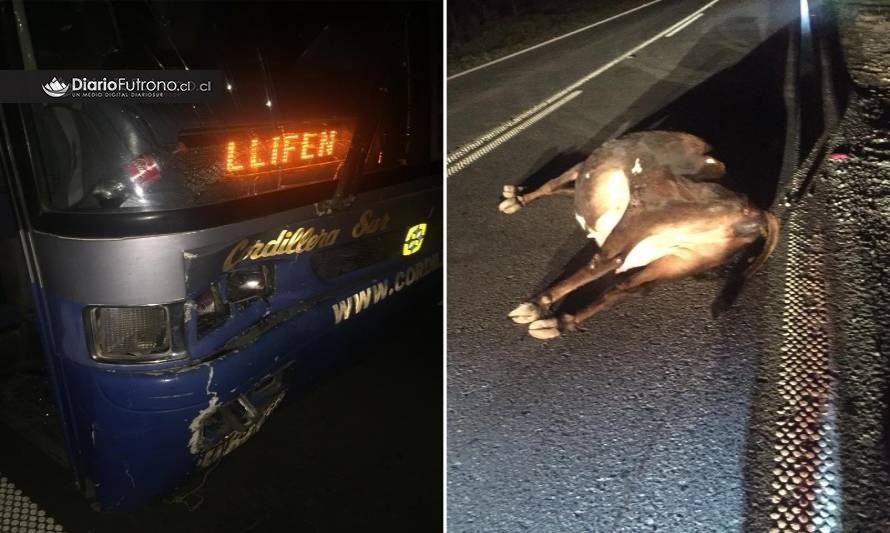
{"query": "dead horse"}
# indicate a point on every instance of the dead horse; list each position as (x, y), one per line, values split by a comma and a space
(653, 203)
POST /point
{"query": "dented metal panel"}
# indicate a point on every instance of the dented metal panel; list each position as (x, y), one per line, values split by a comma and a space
(138, 431)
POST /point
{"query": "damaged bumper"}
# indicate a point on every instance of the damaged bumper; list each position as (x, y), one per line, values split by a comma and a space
(149, 431)
(137, 431)
(222, 427)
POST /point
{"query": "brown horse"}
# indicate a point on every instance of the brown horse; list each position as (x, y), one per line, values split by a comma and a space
(654, 204)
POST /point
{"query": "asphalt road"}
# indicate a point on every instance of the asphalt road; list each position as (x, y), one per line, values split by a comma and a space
(641, 421)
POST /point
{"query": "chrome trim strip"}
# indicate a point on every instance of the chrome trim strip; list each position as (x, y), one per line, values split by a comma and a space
(151, 270)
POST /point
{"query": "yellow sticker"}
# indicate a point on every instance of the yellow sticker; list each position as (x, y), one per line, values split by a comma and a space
(414, 239)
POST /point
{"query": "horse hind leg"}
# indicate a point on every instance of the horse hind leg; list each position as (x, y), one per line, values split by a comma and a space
(514, 201)
(667, 268)
(540, 304)
(549, 328)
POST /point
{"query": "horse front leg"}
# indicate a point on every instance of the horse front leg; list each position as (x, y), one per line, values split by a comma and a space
(513, 201)
(540, 304)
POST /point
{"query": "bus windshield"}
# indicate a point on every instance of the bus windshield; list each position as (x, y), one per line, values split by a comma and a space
(295, 79)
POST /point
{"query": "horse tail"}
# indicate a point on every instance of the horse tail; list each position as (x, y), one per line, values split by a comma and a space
(771, 239)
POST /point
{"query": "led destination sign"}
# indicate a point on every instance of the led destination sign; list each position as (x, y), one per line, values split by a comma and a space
(251, 154)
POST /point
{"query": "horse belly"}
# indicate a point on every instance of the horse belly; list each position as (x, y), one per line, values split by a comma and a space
(704, 247)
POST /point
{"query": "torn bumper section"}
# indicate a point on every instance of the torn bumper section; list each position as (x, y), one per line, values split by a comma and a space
(221, 427)
(149, 431)
(140, 433)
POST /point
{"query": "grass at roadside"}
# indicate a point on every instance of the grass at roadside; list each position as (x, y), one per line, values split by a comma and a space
(474, 43)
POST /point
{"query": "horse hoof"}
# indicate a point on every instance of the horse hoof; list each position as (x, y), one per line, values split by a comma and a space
(510, 191)
(525, 313)
(510, 206)
(547, 328)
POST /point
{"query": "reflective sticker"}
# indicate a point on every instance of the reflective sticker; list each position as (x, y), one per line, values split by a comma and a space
(414, 239)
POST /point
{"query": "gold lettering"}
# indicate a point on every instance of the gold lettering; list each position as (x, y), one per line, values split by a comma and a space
(301, 245)
(367, 224)
(359, 229)
(295, 241)
(282, 246)
(301, 240)
(271, 247)
(411, 276)
(256, 251)
(231, 260)
(330, 237)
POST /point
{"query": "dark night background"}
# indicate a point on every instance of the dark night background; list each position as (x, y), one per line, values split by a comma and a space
(482, 30)
(358, 447)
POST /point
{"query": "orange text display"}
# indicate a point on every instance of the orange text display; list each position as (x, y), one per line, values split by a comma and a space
(258, 154)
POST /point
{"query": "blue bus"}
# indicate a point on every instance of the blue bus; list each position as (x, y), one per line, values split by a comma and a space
(181, 262)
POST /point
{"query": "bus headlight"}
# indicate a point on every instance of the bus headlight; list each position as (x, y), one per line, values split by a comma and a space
(134, 334)
(243, 286)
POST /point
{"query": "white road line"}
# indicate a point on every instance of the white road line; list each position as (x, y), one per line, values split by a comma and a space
(473, 145)
(681, 21)
(553, 40)
(466, 161)
(679, 28)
